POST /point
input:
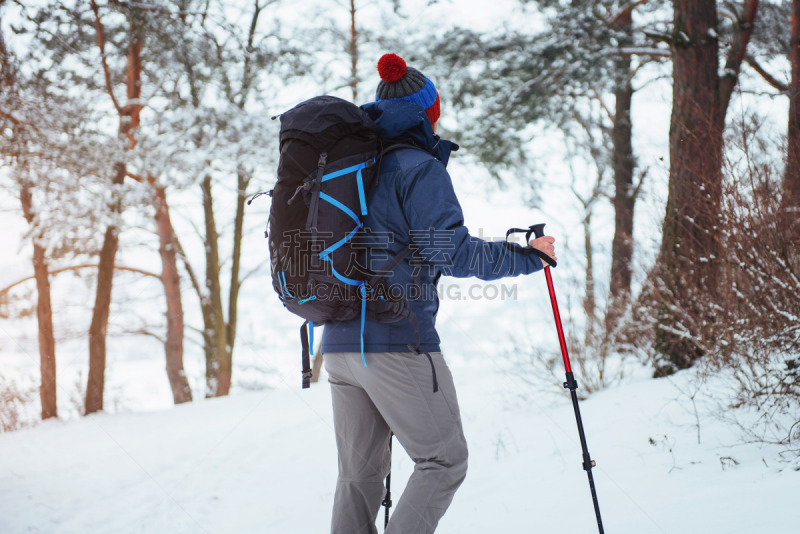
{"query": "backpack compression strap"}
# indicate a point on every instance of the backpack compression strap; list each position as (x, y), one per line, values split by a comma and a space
(306, 360)
(325, 255)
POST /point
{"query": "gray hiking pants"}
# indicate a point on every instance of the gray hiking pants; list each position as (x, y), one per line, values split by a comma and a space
(394, 393)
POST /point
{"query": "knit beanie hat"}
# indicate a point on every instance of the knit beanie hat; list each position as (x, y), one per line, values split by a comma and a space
(401, 82)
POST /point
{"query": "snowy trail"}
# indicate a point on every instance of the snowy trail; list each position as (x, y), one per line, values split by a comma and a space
(266, 462)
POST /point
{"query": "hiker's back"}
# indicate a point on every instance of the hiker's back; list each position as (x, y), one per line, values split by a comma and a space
(387, 232)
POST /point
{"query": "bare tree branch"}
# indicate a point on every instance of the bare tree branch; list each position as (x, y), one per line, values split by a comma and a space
(17, 122)
(101, 42)
(660, 36)
(626, 11)
(8, 288)
(158, 9)
(769, 78)
(142, 332)
(247, 74)
(638, 187)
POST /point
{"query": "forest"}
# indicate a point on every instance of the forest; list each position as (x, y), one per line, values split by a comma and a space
(133, 133)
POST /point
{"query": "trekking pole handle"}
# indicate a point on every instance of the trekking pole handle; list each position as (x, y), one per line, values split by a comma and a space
(538, 231)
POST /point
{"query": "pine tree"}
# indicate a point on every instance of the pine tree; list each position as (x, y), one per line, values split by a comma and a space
(690, 247)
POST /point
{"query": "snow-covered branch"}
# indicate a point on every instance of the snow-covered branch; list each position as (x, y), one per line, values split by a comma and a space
(101, 43)
(641, 51)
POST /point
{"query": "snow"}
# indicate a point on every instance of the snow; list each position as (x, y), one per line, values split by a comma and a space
(266, 462)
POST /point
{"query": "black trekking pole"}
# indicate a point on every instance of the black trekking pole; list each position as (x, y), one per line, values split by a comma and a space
(571, 383)
(387, 500)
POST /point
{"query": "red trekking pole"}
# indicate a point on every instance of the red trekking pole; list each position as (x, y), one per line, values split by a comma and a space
(571, 384)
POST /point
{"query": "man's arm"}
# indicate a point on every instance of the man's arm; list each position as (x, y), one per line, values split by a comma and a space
(441, 239)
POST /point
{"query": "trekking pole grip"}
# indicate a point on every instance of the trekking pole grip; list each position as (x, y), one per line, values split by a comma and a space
(538, 231)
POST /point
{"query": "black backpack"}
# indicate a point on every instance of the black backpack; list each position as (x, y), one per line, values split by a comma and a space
(330, 155)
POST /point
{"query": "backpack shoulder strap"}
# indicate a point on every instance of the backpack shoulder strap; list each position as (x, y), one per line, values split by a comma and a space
(384, 150)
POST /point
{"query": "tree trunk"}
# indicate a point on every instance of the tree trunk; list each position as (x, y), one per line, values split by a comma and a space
(790, 201)
(218, 360)
(170, 278)
(622, 244)
(243, 182)
(102, 304)
(689, 247)
(624, 163)
(353, 51)
(44, 316)
(7, 77)
(219, 336)
(589, 300)
(129, 115)
(128, 124)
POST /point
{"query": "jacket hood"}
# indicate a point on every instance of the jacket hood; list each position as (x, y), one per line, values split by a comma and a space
(407, 122)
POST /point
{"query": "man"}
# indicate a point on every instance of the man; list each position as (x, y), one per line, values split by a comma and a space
(397, 386)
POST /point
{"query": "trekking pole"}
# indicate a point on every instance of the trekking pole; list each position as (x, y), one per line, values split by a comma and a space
(387, 500)
(571, 383)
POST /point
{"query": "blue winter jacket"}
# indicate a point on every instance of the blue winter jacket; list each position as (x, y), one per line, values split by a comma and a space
(414, 201)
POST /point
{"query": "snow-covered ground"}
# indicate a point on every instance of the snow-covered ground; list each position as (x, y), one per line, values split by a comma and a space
(266, 462)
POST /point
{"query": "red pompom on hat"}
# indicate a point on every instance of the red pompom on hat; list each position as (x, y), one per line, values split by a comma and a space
(391, 68)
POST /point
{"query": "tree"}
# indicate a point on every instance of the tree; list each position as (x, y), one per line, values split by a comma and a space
(97, 330)
(128, 123)
(44, 314)
(352, 49)
(139, 22)
(624, 165)
(20, 130)
(7, 68)
(170, 279)
(690, 247)
(219, 333)
(21, 136)
(791, 179)
(349, 40)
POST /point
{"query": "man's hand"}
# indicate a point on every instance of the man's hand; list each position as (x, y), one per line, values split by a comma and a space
(545, 244)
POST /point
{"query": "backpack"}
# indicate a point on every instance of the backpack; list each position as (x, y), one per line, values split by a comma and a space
(330, 154)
